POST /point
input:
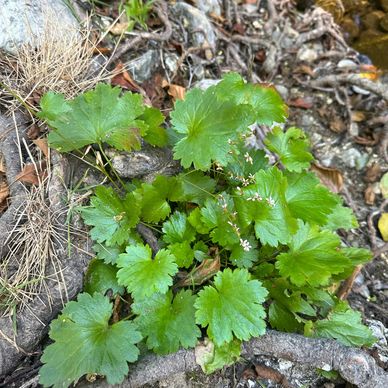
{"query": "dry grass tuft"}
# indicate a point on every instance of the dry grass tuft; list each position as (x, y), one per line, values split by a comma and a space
(33, 254)
(61, 62)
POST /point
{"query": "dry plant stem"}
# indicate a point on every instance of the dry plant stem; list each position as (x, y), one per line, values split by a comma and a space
(354, 365)
(161, 11)
(334, 80)
(10, 150)
(346, 286)
(32, 323)
(149, 238)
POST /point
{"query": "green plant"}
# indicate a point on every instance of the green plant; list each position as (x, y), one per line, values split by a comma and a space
(243, 244)
(137, 12)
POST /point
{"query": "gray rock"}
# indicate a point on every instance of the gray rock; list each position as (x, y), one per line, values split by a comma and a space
(307, 54)
(142, 67)
(283, 91)
(209, 6)
(206, 83)
(147, 163)
(353, 158)
(195, 20)
(171, 61)
(28, 22)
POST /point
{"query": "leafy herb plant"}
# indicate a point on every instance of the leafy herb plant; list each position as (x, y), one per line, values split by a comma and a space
(243, 243)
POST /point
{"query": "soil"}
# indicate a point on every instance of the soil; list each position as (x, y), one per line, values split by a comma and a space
(347, 127)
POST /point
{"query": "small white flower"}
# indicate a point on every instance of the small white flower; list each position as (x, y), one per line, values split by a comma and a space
(256, 197)
(245, 245)
(271, 201)
(248, 158)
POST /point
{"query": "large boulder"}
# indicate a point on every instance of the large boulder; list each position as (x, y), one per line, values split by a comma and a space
(27, 22)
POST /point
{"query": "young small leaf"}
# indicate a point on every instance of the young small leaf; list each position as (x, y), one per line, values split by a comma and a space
(168, 324)
(86, 343)
(111, 217)
(344, 325)
(144, 276)
(291, 147)
(212, 358)
(264, 203)
(341, 218)
(177, 229)
(101, 277)
(266, 102)
(232, 307)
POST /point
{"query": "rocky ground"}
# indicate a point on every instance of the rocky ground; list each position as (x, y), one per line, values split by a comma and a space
(335, 94)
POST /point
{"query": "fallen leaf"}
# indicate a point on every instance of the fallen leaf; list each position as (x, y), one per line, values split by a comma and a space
(4, 191)
(43, 146)
(300, 102)
(383, 226)
(384, 185)
(329, 177)
(305, 69)
(176, 92)
(337, 125)
(123, 79)
(239, 28)
(260, 55)
(119, 28)
(33, 132)
(368, 141)
(372, 173)
(358, 116)
(2, 165)
(265, 372)
(369, 195)
(102, 50)
(30, 176)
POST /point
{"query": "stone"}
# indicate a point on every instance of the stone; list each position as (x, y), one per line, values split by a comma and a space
(283, 91)
(209, 6)
(371, 20)
(206, 83)
(307, 54)
(350, 28)
(142, 67)
(194, 19)
(28, 22)
(384, 5)
(384, 23)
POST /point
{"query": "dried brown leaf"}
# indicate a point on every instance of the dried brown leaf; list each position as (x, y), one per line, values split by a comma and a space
(2, 165)
(358, 116)
(329, 177)
(29, 174)
(369, 195)
(372, 173)
(43, 146)
(176, 92)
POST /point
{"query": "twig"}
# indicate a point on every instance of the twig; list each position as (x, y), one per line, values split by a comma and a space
(161, 11)
(353, 79)
(148, 237)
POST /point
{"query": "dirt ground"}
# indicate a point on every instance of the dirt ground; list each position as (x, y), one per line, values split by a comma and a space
(304, 53)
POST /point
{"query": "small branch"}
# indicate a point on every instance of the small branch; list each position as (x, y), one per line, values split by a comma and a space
(354, 79)
(161, 11)
(149, 238)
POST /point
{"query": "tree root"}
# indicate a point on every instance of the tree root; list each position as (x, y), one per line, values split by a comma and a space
(353, 79)
(9, 137)
(32, 321)
(354, 365)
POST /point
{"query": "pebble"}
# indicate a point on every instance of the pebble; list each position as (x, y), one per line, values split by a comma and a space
(353, 158)
(209, 6)
(142, 67)
(307, 54)
(194, 19)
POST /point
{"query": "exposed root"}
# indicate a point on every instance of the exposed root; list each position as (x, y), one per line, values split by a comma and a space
(32, 323)
(354, 365)
(10, 134)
